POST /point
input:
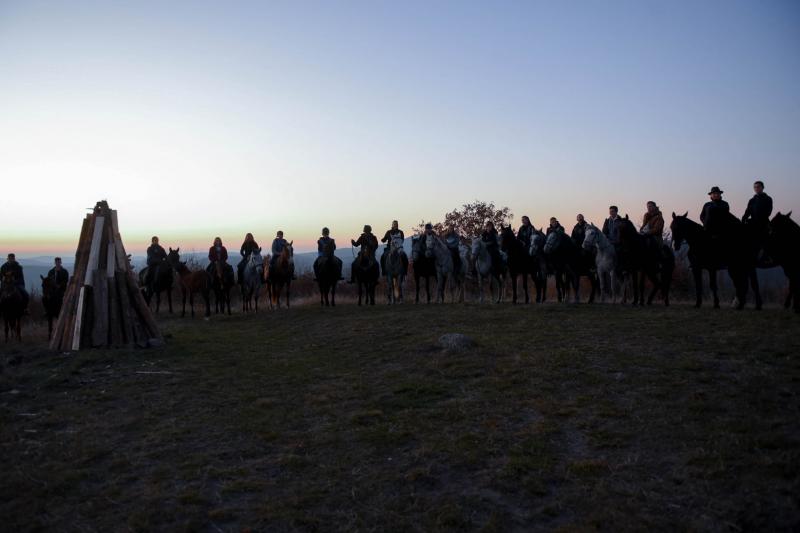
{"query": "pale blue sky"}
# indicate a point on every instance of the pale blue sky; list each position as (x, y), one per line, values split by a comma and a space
(199, 119)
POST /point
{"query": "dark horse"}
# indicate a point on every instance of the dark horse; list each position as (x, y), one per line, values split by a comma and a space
(730, 249)
(642, 257)
(783, 245)
(279, 275)
(12, 306)
(520, 263)
(223, 280)
(52, 299)
(161, 281)
(569, 263)
(423, 264)
(328, 271)
(366, 270)
(191, 282)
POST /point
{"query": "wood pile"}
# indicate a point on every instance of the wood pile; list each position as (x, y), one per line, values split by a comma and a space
(103, 305)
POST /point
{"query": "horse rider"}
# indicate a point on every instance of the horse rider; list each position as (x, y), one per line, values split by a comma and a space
(653, 224)
(155, 255)
(555, 225)
(489, 238)
(58, 276)
(249, 246)
(756, 216)
(11, 266)
(611, 225)
(525, 232)
(391, 234)
(366, 239)
(453, 243)
(216, 254)
(579, 230)
(714, 206)
(325, 243)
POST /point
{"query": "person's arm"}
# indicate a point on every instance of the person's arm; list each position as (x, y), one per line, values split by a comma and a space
(703, 214)
(657, 228)
(386, 236)
(224, 254)
(333, 244)
(211, 254)
(768, 206)
(605, 228)
(749, 211)
(403, 235)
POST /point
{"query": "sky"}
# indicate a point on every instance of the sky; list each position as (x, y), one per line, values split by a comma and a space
(203, 119)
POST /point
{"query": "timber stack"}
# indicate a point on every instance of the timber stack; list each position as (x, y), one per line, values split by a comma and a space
(103, 306)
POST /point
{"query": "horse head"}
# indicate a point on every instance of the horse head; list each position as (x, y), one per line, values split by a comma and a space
(679, 228)
(551, 242)
(590, 237)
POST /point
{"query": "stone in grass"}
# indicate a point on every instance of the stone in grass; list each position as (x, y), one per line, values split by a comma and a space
(455, 342)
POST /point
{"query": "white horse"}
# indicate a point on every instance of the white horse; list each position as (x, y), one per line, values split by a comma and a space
(394, 269)
(252, 277)
(436, 248)
(606, 261)
(486, 269)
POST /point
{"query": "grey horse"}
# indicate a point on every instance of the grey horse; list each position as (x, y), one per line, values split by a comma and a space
(395, 271)
(436, 248)
(485, 269)
(252, 277)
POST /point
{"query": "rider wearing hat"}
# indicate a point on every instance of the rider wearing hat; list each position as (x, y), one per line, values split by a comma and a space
(714, 206)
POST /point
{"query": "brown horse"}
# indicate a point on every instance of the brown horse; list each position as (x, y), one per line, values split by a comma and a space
(12, 306)
(280, 275)
(191, 282)
(52, 299)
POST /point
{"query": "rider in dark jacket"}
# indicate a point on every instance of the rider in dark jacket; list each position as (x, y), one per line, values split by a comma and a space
(368, 240)
(59, 276)
(525, 232)
(579, 231)
(393, 232)
(216, 253)
(714, 206)
(489, 237)
(248, 247)
(15, 269)
(611, 225)
(756, 216)
(453, 243)
(155, 255)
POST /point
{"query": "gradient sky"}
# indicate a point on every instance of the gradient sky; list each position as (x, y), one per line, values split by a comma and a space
(201, 119)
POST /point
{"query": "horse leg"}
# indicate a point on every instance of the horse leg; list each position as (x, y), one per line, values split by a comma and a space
(428, 288)
(169, 299)
(207, 299)
(712, 283)
(191, 303)
(288, 293)
(183, 293)
(333, 294)
(697, 274)
(755, 287)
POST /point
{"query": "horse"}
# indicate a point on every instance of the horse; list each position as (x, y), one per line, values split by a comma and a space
(424, 265)
(520, 262)
(436, 248)
(367, 272)
(643, 258)
(12, 306)
(486, 268)
(252, 273)
(52, 299)
(539, 266)
(783, 246)
(161, 281)
(280, 275)
(328, 271)
(605, 261)
(569, 264)
(394, 265)
(191, 282)
(222, 281)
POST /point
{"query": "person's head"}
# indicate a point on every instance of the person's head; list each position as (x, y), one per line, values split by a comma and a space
(154, 240)
(651, 207)
(367, 228)
(612, 211)
(715, 193)
(758, 186)
(579, 218)
(325, 232)
(58, 262)
(451, 228)
(395, 224)
(249, 238)
(11, 258)
(489, 225)
(553, 222)
(217, 242)
(428, 227)
(525, 220)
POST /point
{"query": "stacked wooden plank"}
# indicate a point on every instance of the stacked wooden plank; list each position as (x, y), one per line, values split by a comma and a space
(103, 305)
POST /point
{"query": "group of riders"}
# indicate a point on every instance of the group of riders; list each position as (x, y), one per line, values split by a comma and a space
(756, 216)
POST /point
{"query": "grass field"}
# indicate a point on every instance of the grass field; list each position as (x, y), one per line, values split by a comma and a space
(560, 417)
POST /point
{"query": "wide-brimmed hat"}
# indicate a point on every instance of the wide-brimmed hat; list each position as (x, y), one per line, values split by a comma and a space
(715, 189)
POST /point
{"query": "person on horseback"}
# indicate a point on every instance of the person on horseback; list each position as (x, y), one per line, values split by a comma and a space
(525, 232)
(217, 254)
(653, 224)
(248, 247)
(713, 206)
(489, 238)
(59, 276)
(155, 255)
(611, 225)
(326, 244)
(366, 239)
(391, 234)
(11, 266)
(756, 216)
(453, 242)
(555, 225)
(579, 230)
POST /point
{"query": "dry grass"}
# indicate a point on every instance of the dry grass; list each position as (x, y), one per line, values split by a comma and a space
(572, 417)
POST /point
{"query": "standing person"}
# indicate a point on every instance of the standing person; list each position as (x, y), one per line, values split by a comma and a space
(653, 223)
(555, 225)
(366, 240)
(155, 255)
(17, 276)
(59, 277)
(525, 232)
(611, 225)
(248, 247)
(579, 231)
(714, 206)
(217, 253)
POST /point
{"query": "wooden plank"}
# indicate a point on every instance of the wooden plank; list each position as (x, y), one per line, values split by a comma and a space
(143, 310)
(119, 250)
(60, 329)
(114, 316)
(100, 322)
(76, 332)
(125, 309)
(94, 251)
